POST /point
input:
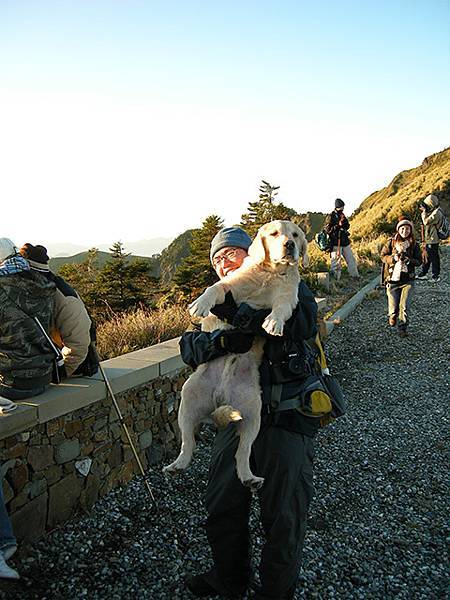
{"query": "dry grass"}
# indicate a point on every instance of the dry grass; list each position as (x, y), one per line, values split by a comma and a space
(139, 329)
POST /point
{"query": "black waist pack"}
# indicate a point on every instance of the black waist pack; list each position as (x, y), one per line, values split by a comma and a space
(89, 366)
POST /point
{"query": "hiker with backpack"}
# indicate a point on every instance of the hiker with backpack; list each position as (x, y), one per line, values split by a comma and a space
(282, 453)
(337, 226)
(26, 359)
(435, 229)
(72, 328)
(400, 256)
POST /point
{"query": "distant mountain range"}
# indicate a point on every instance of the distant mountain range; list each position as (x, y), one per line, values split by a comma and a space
(102, 257)
(140, 247)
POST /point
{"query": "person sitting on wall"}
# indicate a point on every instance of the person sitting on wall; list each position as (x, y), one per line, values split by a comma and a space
(26, 358)
(71, 322)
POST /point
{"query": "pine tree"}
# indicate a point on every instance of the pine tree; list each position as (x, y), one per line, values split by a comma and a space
(195, 272)
(124, 284)
(265, 209)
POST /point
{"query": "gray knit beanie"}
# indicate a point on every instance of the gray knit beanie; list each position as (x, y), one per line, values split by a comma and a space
(338, 203)
(233, 237)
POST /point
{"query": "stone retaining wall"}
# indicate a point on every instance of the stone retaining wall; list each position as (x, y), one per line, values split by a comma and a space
(61, 451)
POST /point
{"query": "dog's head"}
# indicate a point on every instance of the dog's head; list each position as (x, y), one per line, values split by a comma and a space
(279, 243)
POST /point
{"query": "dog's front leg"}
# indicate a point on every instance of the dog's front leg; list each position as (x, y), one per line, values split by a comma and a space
(213, 295)
(282, 310)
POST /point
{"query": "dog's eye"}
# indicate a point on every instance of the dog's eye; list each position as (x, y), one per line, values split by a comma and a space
(295, 235)
(274, 233)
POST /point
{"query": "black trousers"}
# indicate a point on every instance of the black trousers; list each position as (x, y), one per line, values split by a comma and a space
(434, 260)
(285, 459)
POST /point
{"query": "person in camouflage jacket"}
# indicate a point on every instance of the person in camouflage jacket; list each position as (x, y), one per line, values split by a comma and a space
(26, 359)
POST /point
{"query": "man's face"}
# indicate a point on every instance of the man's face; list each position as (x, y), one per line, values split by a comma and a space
(227, 260)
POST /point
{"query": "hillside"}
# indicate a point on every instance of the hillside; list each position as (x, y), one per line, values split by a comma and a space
(171, 257)
(57, 262)
(377, 214)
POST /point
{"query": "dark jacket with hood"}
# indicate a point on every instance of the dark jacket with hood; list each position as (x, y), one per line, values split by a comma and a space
(337, 226)
(199, 347)
(26, 359)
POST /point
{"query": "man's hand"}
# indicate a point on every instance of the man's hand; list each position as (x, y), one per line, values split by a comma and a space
(226, 311)
(235, 341)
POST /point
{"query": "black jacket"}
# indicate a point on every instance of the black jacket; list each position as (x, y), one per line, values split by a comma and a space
(199, 347)
(337, 228)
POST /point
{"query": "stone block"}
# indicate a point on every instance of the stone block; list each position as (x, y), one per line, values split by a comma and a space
(40, 457)
(38, 487)
(65, 398)
(53, 474)
(72, 428)
(29, 522)
(63, 499)
(22, 418)
(115, 456)
(8, 492)
(67, 451)
(89, 494)
(145, 439)
(18, 477)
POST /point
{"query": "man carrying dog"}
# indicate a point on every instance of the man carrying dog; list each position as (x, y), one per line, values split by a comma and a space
(282, 453)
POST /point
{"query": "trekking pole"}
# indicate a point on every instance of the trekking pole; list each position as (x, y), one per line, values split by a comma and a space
(124, 427)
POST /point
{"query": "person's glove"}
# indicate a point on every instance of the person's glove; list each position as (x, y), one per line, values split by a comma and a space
(235, 341)
(250, 319)
(226, 311)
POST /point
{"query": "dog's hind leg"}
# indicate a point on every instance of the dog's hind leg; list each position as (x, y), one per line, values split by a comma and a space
(248, 430)
(190, 414)
(187, 446)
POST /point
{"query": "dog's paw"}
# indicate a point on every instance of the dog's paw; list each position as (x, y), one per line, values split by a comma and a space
(255, 483)
(176, 467)
(273, 326)
(200, 307)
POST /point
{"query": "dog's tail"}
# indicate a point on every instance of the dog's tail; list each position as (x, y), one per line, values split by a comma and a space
(224, 415)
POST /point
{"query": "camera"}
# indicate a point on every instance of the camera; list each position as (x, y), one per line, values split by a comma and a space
(292, 368)
(296, 363)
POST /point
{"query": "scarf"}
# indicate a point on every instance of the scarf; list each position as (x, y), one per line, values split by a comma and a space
(14, 264)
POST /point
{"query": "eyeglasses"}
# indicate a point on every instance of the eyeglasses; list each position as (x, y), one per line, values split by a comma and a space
(230, 255)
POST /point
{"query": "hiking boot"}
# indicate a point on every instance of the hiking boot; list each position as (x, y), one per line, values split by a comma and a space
(436, 279)
(5, 571)
(423, 277)
(200, 587)
(392, 321)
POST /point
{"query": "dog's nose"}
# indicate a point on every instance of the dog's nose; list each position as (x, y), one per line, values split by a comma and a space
(289, 245)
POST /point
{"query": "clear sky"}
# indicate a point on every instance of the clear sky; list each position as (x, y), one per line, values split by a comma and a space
(137, 119)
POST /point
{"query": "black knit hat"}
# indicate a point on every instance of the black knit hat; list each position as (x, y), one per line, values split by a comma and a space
(36, 255)
(338, 203)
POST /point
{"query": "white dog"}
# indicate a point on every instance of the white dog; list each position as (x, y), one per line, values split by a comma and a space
(227, 388)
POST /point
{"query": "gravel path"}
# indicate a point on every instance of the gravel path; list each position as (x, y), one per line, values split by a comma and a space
(377, 526)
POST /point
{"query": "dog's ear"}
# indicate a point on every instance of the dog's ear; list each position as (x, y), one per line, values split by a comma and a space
(303, 248)
(257, 249)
